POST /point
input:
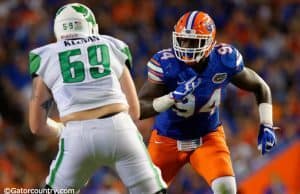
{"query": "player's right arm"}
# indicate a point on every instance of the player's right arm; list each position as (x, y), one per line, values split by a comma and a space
(39, 107)
(147, 94)
(41, 102)
(154, 95)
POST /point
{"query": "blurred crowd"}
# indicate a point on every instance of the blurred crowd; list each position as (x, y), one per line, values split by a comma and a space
(265, 31)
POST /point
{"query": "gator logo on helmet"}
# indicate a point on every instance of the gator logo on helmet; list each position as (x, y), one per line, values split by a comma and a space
(209, 26)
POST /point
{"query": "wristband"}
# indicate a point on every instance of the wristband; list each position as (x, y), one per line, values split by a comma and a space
(56, 125)
(265, 113)
(162, 103)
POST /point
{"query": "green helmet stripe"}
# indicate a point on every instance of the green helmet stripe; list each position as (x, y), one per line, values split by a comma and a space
(91, 19)
(85, 12)
(60, 10)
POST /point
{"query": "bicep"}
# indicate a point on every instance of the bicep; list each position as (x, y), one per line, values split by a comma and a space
(247, 80)
(252, 82)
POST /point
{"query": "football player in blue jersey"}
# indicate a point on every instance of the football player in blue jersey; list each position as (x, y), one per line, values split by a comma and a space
(184, 90)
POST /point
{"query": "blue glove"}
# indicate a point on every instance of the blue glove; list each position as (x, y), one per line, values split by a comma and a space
(185, 88)
(266, 138)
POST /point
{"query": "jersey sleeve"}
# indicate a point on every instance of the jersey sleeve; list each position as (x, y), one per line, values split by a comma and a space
(34, 63)
(233, 60)
(155, 70)
(37, 58)
(41, 61)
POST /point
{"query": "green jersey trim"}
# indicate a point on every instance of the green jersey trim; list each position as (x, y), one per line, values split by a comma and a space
(34, 63)
(58, 162)
(127, 52)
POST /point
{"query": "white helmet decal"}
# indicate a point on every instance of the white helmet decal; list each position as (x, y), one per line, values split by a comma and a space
(74, 20)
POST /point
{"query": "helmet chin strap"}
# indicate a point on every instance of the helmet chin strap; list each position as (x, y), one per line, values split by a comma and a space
(202, 55)
(199, 57)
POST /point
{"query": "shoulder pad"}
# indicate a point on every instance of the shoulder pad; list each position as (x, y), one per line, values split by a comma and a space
(156, 60)
(157, 56)
(156, 73)
(163, 56)
(122, 46)
(35, 58)
(116, 42)
(230, 57)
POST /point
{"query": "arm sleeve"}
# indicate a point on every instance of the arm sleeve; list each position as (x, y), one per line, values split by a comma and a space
(40, 63)
(155, 71)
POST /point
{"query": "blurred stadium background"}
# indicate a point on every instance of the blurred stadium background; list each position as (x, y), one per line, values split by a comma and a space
(267, 32)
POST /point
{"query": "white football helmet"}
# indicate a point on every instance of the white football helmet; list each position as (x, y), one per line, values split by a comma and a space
(74, 20)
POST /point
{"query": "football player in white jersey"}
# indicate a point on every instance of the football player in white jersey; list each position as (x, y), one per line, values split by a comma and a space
(86, 75)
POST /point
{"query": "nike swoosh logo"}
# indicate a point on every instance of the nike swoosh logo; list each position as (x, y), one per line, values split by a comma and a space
(158, 142)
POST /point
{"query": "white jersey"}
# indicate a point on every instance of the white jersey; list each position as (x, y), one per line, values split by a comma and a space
(82, 73)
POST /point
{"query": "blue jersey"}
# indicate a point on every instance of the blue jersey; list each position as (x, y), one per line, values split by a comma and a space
(199, 113)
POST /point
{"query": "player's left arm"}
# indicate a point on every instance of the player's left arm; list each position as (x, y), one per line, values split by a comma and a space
(39, 107)
(248, 80)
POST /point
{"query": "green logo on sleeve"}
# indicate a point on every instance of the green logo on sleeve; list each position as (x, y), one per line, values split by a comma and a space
(127, 52)
(34, 62)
